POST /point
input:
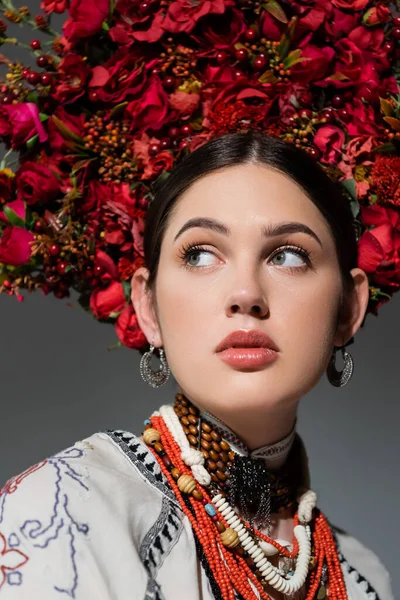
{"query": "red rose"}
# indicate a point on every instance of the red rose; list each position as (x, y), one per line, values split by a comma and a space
(119, 211)
(163, 161)
(132, 24)
(341, 24)
(371, 41)
(15, 248)
(182, 15)
(36, 184)
(221, 32)
(377, 15)
(117, 79)
(21, 121)
(329, 140)
(271, 28)
(361, 120)
(86, 18)
(17, 207)
(184, 103)
(315, 66)
(151, 109)
(351, 4)
(103, 302)
(379, 248)
(54, 6)
(128, 330)
(74, 74)
(312, 15)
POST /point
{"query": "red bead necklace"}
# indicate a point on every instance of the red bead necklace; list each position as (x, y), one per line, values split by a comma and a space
(231, 567)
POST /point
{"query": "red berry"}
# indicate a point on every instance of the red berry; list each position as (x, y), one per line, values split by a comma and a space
(343, 114)
(143, 203)
(61, 267)
(328, 114)
(221, 58)
(165, 143)
(25, 72)
(46, 79)
(241, 54)
(36, 45)
(156, 71)
(337, 101)
(98, 270)
(186, 130)
(314, 152)
(42, 61)
(33, 78)
(259, 63)
(396, 33)
(169, 82)
(154, 149)
(88, 273)
(145, 8)
(38, 225)
(388, 46)
(173, 132)
(54, 250)
(7, 99)
(238, 74)
(250, 35)
(305, 113)
(93, 96)
(396, 21)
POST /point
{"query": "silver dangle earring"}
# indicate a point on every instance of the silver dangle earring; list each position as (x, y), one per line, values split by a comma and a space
(340, 378)
(154, 378)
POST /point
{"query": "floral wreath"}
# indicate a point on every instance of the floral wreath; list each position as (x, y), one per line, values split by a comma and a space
(130, 87)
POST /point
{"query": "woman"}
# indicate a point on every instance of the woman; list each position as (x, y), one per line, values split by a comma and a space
(250, 287)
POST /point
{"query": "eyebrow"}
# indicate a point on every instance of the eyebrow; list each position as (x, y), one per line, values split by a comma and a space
(270, 230)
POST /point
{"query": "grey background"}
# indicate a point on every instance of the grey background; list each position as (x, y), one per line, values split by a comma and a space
(59, 383)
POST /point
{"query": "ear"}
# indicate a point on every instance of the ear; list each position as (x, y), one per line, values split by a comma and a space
(142, 300)
(354, 307)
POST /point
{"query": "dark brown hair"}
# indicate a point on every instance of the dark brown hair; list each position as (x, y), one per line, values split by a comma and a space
(258, 148)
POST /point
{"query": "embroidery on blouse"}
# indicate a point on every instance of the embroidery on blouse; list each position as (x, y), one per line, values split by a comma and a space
(141, 457)
(41, 534)
(158, 543)
(359, 579)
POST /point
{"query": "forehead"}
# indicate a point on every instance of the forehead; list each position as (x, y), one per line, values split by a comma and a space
(247, 196)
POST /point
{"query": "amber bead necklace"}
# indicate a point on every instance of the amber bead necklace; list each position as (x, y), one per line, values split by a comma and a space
(238, 556)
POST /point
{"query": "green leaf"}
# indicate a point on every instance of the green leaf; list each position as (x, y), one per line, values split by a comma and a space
(350, 186)
(387, 148)
(338, 77)
(386, 107)
(32, 97)
(66, 132)
(43, 117)
(118, 110)
(81, 164)
(114, 314)
(13, 218)
(268, 77)
(105, 26)
(32, 141)
(394, 123)
(293, 58)
(127, 290)
(286, 39)
(275, 9)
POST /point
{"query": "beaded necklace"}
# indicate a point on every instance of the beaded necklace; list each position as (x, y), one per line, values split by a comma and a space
(239, 558)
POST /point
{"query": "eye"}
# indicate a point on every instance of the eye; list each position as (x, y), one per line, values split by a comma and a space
(196, 256)
(291, 257)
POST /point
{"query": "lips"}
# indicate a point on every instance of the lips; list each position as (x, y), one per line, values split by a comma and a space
(247, 339)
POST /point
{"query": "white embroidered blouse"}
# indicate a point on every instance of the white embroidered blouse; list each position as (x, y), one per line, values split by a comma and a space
(99, 521)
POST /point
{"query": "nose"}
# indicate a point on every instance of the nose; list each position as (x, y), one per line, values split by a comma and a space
(247, 297)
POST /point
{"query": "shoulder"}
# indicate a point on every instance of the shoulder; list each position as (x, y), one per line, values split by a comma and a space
(364, 572)
(55, 514)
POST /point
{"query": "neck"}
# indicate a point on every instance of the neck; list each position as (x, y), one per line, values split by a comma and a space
(255, 428)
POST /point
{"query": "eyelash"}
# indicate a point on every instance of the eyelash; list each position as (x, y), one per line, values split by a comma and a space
(189, 249)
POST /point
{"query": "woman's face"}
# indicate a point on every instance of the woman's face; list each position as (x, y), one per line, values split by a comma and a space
(241, 275)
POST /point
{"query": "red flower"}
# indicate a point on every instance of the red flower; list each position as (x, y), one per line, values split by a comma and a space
(54, 6)
(36, 184)
(128, 330)
(351, 4)
(341, 24)
(17, 207)
(74, 75)
(21, 122)
(377, 14)
(329, 139)
(361, 120)
(86, 18)
(117, 79)
(75, 123)
(315, 66)
(182, 15)
(386, 178)
(379, 248)
(221, 32)
(160, 163)
(150, 109)
(15, 248)
(104, 302)
(10, 559)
